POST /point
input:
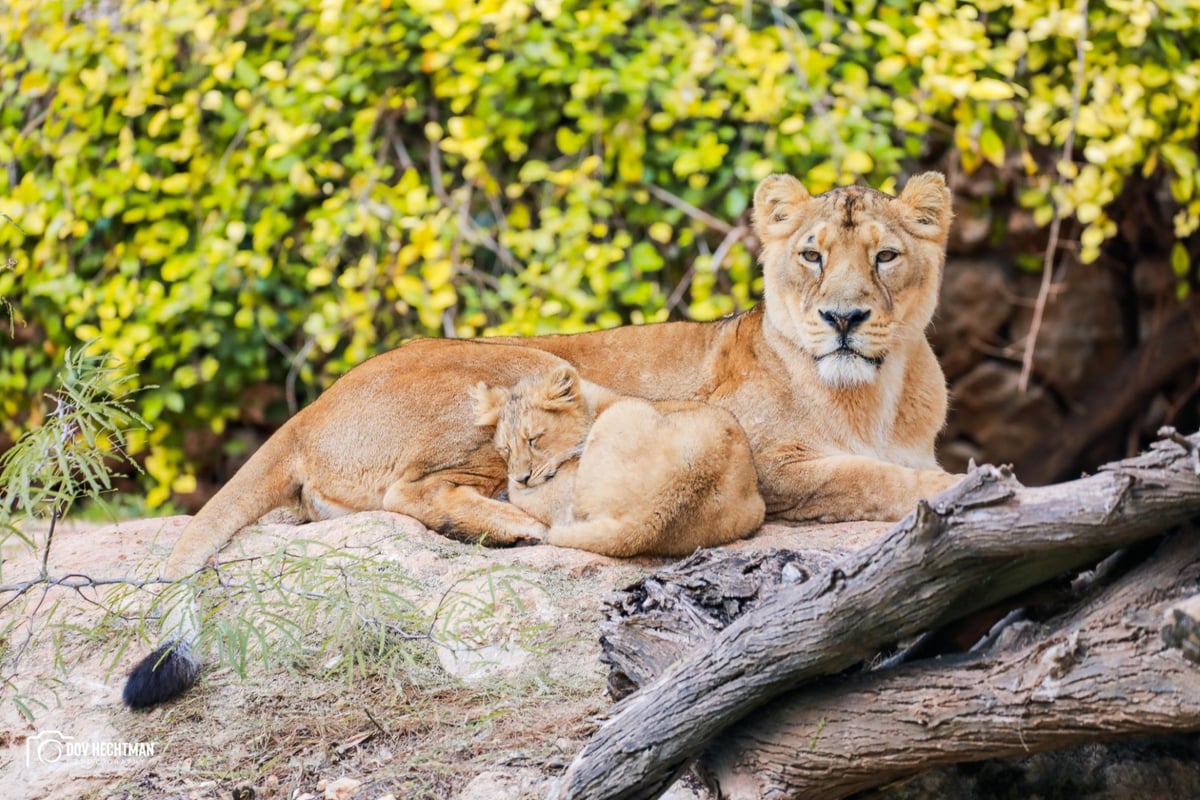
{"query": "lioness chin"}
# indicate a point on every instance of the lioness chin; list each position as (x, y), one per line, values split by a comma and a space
(830, 377)
(619, 475)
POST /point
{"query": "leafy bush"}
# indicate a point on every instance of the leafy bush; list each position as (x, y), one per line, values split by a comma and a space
(226, 194)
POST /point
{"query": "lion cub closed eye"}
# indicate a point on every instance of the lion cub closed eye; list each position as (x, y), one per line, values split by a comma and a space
(618, 475)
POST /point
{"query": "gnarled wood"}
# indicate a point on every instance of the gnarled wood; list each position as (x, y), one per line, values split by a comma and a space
(655, 622)
(1099, 674)
(980, 541)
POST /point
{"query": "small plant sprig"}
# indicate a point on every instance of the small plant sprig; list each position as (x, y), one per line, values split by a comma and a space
(70, 455)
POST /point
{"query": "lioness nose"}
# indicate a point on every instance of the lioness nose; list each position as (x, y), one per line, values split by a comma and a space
(524, 479)
(845, 321)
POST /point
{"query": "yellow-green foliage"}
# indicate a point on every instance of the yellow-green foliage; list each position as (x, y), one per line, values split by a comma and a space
(221, 191)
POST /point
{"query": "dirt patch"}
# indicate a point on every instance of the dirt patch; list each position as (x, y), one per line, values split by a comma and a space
(491, 685)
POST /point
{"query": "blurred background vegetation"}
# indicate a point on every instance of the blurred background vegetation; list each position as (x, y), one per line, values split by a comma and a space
(240, 200)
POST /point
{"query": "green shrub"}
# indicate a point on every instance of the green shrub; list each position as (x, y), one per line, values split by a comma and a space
(224, 194)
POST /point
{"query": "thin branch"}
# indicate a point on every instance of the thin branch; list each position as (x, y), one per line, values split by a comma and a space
(297, 363)
(473, 233)
(374, 721)
(397, 142)
(54, 517)
(1039, 308)
(1168, 432)
(679, 203)
(734, 236)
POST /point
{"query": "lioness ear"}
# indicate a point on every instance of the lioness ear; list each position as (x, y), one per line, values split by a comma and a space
(777, 202)
(488, 402)
(929, 198)
(560, 389)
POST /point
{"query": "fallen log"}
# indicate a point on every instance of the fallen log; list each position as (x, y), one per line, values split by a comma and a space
(982, 540)
(655, 622)
(1181, 628)
(1102, 673)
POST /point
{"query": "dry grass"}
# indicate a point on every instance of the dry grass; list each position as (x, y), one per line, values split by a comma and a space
(401, 723)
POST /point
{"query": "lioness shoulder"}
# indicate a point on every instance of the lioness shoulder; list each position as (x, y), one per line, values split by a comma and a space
(619, 475)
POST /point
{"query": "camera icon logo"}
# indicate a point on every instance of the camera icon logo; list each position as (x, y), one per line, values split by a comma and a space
(46, 747)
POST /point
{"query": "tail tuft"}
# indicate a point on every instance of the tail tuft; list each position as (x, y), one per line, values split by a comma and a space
(167, 672)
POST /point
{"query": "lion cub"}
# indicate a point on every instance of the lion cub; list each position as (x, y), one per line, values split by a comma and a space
(618, 475)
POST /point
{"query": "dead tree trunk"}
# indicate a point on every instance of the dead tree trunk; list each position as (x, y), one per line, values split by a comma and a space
(1102, 673)
(978, 542)
(656, 622)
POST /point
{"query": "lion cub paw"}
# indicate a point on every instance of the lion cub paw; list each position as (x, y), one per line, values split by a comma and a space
(531, 535)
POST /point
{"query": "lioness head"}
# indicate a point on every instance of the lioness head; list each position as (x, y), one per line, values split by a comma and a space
(851, 273)
(541, 422)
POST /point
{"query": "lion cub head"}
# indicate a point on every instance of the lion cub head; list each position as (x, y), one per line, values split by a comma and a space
(852, 274)
(541, 422)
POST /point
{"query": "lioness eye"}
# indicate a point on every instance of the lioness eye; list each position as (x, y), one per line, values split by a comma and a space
(884, 256)
(811, 256)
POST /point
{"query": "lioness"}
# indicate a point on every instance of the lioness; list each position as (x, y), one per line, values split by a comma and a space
(831, 378)
(620, 475)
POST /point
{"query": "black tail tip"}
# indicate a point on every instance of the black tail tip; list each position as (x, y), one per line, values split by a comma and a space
(167, 672)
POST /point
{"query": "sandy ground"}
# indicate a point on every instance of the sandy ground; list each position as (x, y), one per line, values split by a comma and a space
(497, 692)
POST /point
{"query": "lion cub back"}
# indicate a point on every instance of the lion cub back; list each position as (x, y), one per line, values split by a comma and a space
(622, 476)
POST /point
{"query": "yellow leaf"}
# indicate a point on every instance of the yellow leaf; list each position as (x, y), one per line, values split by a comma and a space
(1088, 212)
(273, 71)
(904, 112)
(1092, 237)
(205, 28)
(887, 69)
(821, 178)
(184, 484)
(157, 496)
(409, 287)
(175, 184)
(1095, 153)
(991, 147)
(990, 89)
(437, 273)
(660, 232)
(858, 162)
(300, 179)
(155, 125)
(319, 276)
(1180, 263)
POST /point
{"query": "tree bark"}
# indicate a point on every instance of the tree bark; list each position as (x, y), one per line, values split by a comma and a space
(1101, 673)
(982, 540)
(655, 622)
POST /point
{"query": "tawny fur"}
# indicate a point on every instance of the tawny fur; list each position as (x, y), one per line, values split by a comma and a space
(619, 475)
(850, 438)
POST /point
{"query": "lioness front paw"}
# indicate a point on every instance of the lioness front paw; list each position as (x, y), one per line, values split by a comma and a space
(936, 480)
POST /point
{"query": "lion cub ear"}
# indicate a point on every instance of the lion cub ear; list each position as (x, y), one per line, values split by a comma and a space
(777, 203)
(560, 389)
(488, 402)
(928, 197)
